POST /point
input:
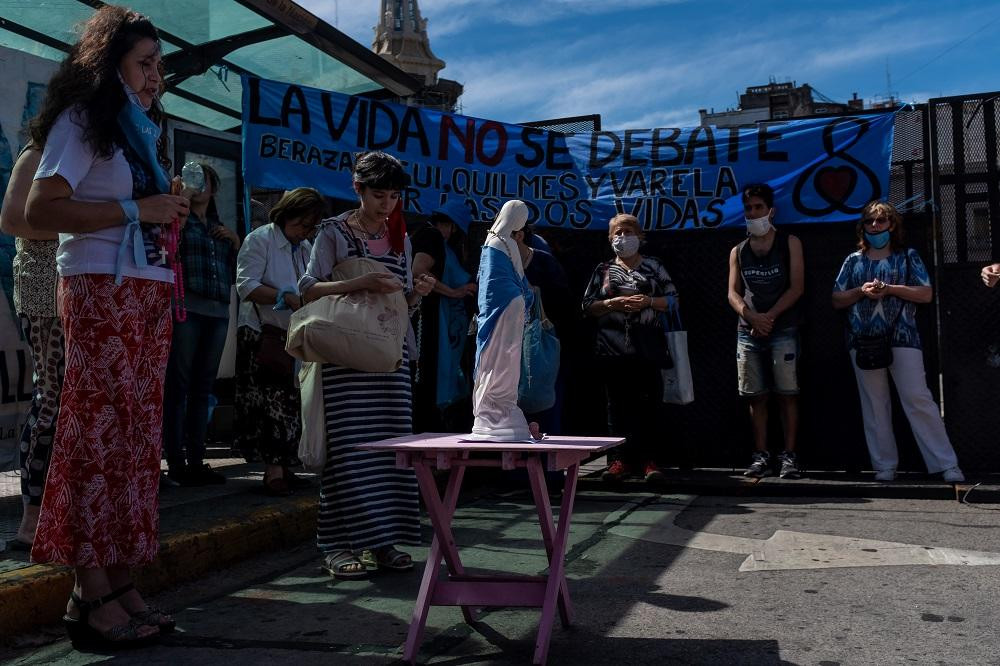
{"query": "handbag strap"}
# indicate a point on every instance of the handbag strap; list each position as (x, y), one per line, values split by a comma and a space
(537, 307)
(672, 315)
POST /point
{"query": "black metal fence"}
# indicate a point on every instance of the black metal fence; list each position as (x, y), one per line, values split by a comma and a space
(966, 189)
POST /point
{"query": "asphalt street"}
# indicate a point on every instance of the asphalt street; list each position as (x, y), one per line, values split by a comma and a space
(654, 579)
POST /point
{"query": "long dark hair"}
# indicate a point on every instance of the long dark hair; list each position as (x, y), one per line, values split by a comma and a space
(212, 178)
(88, 79)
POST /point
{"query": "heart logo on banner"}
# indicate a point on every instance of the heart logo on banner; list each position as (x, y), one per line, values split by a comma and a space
(836, 184)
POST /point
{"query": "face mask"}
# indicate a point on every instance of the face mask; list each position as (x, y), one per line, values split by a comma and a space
(879, 240)
(759, 226)
(625, 246)
(132, 95)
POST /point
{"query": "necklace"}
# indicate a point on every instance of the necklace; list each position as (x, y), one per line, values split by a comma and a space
(360, 226)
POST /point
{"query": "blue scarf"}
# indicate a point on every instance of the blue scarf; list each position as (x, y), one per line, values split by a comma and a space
(499, 284)
(141, 133)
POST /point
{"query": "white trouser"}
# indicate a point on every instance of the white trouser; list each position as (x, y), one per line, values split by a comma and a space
(494, 397)
(921, 411)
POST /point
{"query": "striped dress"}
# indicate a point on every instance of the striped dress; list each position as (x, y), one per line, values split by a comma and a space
(365, 502)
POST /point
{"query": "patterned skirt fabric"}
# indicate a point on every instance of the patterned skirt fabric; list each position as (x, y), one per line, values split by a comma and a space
(48, 362)
(101, 501)
(268, 414)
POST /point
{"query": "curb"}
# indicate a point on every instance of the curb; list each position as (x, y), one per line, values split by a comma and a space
(36, 595)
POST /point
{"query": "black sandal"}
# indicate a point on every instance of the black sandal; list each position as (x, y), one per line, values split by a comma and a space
(392, 560)
(151, 616)
(340, 566)
(119, 637)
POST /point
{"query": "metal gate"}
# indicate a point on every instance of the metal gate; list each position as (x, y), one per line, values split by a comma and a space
(966, 189)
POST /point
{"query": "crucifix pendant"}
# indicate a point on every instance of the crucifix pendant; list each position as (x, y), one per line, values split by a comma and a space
(163, 254)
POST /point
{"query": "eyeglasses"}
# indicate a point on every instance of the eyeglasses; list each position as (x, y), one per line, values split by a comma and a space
(877, 221)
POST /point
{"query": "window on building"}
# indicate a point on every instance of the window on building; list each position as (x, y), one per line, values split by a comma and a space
(822, 109)
(779, 115)
(398, 14)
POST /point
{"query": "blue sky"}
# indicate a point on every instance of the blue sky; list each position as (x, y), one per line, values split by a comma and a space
(654, 63)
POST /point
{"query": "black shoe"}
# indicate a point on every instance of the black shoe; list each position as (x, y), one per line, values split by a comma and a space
(760, 466)
(296, 482)
(789, 466)
(202, 476)
(173, 478)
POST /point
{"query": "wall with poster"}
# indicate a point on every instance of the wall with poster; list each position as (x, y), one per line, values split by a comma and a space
(24, 79)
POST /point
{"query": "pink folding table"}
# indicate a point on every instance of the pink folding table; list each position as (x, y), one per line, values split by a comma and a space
(426, 451)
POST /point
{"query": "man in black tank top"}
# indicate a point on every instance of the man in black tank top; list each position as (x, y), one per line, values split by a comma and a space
(765, 284)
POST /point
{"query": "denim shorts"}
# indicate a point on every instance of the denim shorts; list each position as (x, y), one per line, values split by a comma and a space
(768, 364)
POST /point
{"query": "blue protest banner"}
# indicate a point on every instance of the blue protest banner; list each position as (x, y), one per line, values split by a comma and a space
(822, 169)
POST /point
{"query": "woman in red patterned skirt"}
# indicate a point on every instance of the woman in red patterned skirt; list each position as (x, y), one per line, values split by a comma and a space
(102, 183)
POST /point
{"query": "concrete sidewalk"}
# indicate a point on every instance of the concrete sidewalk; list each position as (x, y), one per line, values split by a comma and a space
(201, 530)
(210, 528)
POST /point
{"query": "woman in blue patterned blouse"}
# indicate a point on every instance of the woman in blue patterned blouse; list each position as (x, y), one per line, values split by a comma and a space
(881, 285)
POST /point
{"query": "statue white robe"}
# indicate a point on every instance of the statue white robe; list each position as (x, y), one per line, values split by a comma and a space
(504, 298)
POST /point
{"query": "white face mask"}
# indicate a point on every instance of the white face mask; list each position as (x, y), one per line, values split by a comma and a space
(759, 226)
(625, 246)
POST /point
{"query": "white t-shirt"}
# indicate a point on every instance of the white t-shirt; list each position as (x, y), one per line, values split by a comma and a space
(96, 179)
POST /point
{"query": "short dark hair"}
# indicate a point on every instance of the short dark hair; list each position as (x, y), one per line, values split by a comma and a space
(761, 190)
(380, 171)
(300, 202)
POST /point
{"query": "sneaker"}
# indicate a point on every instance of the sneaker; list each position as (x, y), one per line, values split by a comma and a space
(761, 465)
(789, 466)
(953, 475)
(885, 475)
(653, 473)
(202, 476)
(616, 471)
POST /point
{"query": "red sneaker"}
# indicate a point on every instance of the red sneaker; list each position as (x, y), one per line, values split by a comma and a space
(616, 471)
(653, 473)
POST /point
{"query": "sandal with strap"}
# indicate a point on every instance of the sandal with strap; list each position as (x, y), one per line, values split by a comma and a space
(154, 617)
(392, 560)
(344, 565)
(119, 637)
(151, 616)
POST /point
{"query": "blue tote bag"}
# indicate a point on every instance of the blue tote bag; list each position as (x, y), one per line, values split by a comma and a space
(536, 391)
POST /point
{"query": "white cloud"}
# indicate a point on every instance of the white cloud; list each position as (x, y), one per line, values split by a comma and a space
(542, 69)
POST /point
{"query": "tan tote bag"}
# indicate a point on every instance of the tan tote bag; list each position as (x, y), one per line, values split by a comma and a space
(312, 443)
(362, 330)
